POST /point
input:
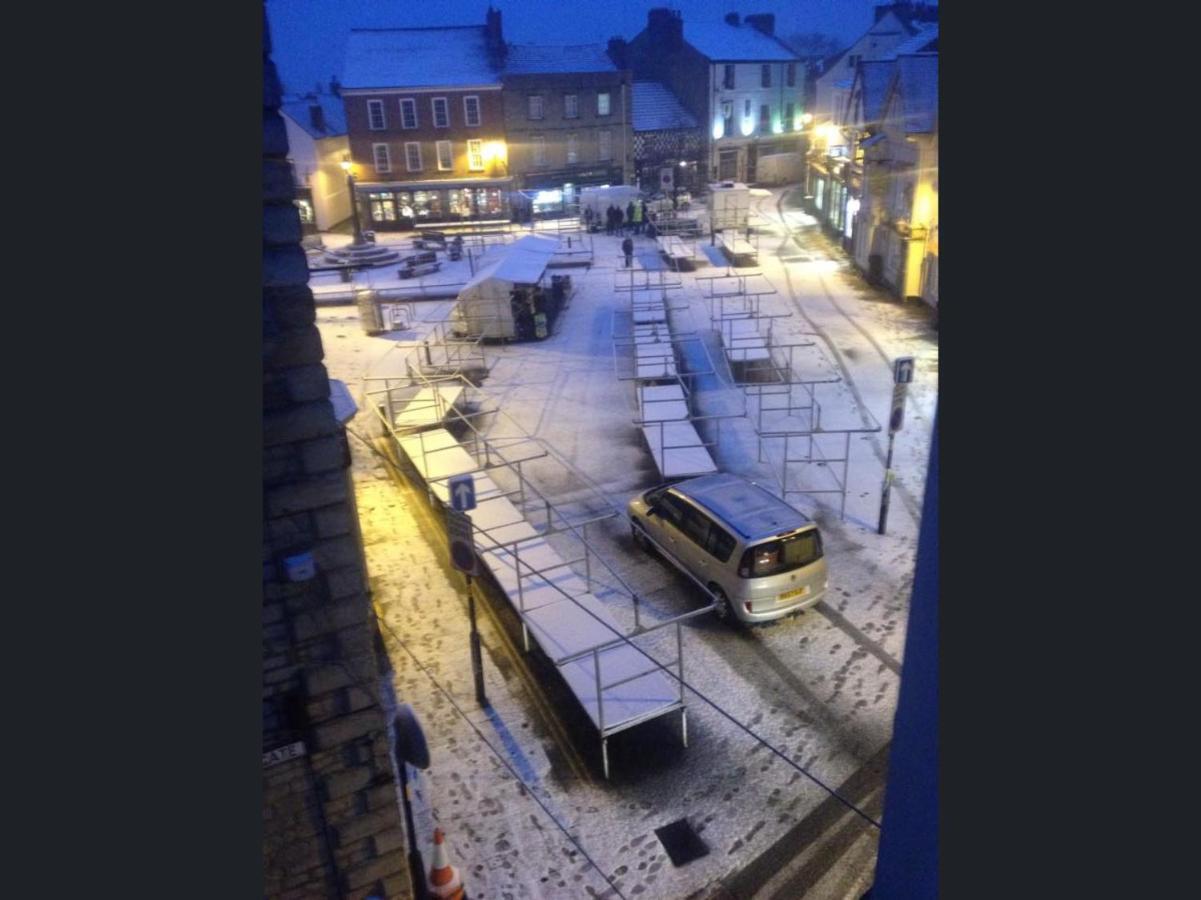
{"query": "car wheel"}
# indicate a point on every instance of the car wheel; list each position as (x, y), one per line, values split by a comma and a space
(724, 611)
(640, 537)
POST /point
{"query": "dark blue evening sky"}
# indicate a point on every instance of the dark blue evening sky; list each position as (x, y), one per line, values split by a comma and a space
(309, 36)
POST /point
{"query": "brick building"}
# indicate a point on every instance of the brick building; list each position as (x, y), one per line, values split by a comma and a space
(331, 819)
(567, 118)
(426, 123)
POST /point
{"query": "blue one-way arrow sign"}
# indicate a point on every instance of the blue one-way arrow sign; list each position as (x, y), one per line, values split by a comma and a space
(462, 492)
(902, 370)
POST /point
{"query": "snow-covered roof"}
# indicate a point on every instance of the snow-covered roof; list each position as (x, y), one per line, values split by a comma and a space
(656, 108)
(927, 34)
(417, 57)
(332, 110)
(524, 261)
(538, 59)
(917, 82)
(721, 40)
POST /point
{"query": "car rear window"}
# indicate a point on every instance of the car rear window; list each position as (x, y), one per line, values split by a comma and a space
(784, 555)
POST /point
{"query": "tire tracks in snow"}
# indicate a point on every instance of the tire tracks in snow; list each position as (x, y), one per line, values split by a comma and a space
(908, 501)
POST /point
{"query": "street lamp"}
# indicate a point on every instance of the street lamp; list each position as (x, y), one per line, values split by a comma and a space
(348, 168)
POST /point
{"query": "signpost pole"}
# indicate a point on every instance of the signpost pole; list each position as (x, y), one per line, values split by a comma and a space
(884, 497)
(477, 660)
(902, 375)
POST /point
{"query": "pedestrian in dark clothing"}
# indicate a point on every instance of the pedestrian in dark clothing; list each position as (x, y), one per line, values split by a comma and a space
(630, 215)
(617, 220)
(587, 218)
(627, 247)
(645, 217)
(609, 223)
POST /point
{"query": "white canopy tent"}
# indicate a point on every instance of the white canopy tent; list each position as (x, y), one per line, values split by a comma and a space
(484, 308)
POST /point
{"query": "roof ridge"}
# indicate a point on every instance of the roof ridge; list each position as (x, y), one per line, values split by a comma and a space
(420, 28)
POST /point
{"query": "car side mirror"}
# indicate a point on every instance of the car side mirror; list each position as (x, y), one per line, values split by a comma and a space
(652, 510)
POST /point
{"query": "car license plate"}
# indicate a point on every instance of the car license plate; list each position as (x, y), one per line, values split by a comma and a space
(796, 592)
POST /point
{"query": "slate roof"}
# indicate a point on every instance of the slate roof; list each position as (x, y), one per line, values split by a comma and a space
(417, 57)
(722, 41)
(331, 107)
(536, 59)
(917, 82)
(655, 108)
(920, 42)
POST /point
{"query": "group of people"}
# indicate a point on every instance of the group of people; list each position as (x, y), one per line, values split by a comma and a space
(633, 220)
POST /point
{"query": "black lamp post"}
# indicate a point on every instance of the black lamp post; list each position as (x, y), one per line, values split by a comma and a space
(410, 749)
(348, 168)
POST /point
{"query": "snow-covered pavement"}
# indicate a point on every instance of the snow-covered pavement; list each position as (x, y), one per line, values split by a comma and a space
(772, 711)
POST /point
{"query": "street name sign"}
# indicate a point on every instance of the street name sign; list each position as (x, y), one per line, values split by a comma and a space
(462, 492)
(462, 547)
(279, 755)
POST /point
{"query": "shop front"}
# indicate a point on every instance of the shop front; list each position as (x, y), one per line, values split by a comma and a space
(401, 207)
(303, 201)
(551, 194)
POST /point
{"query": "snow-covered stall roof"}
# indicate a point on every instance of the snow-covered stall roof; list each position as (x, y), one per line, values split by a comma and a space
(417, 57)
(525, 259)
(655, 108)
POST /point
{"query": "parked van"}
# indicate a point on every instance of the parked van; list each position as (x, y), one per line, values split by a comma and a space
(760, 558)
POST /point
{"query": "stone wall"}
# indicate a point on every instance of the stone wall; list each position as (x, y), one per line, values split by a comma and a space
(332, 824)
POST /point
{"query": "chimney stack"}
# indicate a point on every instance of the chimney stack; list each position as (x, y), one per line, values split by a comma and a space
(732, 19)
(618, 52)
(317, 116)
(335, 86)
(666, 29)
(494, 39)
(763, 22)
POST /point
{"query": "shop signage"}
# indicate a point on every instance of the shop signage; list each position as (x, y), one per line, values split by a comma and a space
(279, 755)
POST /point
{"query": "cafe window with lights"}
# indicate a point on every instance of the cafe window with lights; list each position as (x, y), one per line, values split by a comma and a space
(306, 211)
(383, 207)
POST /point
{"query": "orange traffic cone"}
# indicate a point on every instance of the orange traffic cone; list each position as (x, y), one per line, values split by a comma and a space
(444, 881)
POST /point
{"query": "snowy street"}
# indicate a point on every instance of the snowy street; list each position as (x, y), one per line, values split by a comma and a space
(776, 714)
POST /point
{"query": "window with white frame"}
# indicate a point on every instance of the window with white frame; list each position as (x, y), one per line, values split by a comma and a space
(539, 150)
(746, 108)
(413, 156)
(571, 106)
(535, 106)
(408, 113)
(573, 148)
(791, 75)
(727, 80)
(441, 112)
(471, 111)
(383, 162)
(602, 103)
(375, 115)
(446, 160)
(604, 145)
(475, 156)
(765, 75)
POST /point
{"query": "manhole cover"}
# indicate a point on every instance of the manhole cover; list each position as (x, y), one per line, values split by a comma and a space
(682, 844)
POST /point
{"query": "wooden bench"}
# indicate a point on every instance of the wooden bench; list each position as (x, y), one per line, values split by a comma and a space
(412, 271)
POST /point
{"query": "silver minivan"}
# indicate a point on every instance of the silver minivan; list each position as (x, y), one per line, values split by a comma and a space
(760, 558)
